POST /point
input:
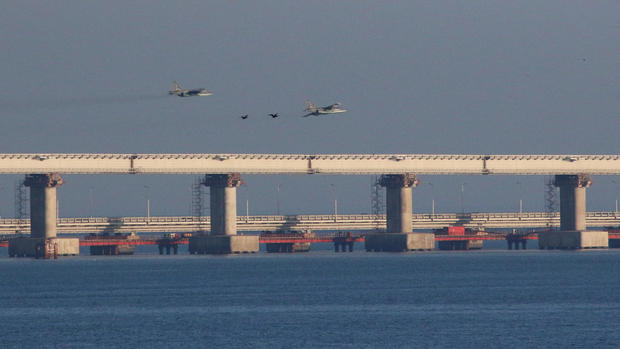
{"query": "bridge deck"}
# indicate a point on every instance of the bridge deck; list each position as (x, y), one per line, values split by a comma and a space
(309, 164)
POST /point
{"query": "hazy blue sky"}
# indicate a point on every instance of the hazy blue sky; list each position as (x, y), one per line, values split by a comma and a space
(476, 77)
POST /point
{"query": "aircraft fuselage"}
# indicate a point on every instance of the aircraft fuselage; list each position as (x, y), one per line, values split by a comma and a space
(191, 93)
(327, 112)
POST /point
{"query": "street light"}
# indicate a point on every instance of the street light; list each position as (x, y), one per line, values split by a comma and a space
(333, 189)
(247, 202)
(520, 197)
(278, 199)
(147, 195)
(462, 194)
(432, 198)
(614, 182)
(90, 201)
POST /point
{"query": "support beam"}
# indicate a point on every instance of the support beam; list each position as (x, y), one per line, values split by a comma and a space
(43, 204)
(223, 202)
(43, 242)
(572, 234)
(399, 201)
(399, 236)
(223, 238)
(572, 200)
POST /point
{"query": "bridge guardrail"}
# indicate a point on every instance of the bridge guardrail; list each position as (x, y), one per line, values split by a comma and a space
(318, 222)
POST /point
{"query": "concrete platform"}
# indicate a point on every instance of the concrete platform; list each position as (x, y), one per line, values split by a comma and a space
(573, 239)
(37, 247)
(460, 245)
(399, 242)
(223, 244)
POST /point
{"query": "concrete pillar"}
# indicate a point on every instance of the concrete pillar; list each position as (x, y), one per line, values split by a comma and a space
(572, 233)
(223, 202)
(43, 204)
(223, 238)
(572, 201)
(398, 236)
(399, 201)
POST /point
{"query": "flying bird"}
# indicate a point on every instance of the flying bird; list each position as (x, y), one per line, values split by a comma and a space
(244, 116)
(274, 115)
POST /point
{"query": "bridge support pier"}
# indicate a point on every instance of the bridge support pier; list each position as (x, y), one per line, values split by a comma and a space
(223, 202)
(572, 233)
(399, 234)
(516, 242)
(223, 238)
(43, 213)
(43, 204)
(572, 200)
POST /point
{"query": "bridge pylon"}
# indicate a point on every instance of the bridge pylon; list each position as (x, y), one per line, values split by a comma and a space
(223, 238)
(573, 233)
(399, 234)
(43, 204)
(43, 221)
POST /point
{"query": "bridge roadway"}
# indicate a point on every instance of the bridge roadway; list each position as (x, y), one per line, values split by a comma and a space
(314, 222)
(308, 164)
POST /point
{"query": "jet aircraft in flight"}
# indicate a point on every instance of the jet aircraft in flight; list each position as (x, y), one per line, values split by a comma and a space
(177, 90)
(316, 111)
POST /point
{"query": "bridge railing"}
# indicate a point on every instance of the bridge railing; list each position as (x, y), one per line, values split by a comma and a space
(316, 218)
(318, 222)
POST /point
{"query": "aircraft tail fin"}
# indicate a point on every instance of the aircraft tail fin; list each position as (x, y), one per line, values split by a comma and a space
(310, 106)
(175, 88)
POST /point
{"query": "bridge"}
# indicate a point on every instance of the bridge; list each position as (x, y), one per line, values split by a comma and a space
(309, 164)
(182, 224)
(223, 175)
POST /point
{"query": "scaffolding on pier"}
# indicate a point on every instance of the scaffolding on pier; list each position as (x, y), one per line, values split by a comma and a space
(377, 205)
(22, 207)
(550, 201)
(199, 204)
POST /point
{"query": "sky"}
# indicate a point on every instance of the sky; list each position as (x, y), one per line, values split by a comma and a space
(417, 77)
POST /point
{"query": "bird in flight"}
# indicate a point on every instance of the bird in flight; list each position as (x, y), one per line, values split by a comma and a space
(244, 116)
(274, 115)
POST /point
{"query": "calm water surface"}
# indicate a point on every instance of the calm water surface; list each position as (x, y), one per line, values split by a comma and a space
(493, 299)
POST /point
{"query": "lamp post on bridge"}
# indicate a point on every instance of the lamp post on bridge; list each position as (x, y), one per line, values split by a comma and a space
(278, 199)
(147, 195)
(1, 189)
(247, 201)
(614, 182)
(333, 189)
(462, 199)
(90, 201)
(520, 197)
(432, 198)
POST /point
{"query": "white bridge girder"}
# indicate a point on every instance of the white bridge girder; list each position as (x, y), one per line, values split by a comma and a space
(309, 164)
(298, 222)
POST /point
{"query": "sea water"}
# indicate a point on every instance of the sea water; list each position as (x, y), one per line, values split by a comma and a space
(321, 299)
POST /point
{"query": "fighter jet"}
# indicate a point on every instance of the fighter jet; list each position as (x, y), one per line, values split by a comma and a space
(316, 111)
(177, 90)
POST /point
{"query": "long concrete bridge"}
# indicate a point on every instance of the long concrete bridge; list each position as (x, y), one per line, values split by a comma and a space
(309, 164)
(344, 222)
(223, 175)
